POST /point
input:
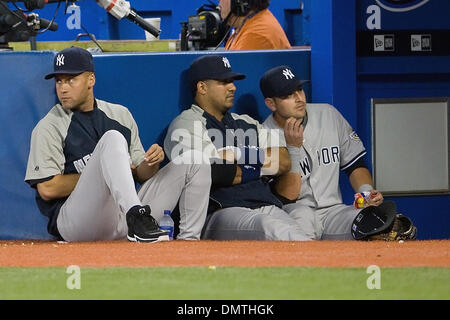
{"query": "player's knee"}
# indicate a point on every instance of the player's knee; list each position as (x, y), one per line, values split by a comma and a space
(113, 136)
(113, 139)
(268, 226)
(304, 213)
(284, 230)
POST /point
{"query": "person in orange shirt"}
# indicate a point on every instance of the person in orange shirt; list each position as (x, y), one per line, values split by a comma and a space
(255, 27)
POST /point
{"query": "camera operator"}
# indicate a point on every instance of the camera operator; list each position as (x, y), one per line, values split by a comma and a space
(255, 27)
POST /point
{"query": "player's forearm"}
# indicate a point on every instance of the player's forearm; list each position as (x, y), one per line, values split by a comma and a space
(288, 185)
(359, 177)
(144, 172)
(276, 162)
(238, 176)
(59, 186)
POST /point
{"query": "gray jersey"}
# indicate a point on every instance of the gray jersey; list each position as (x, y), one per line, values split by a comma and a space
(330, 145)
(100, 144)
(63, 142)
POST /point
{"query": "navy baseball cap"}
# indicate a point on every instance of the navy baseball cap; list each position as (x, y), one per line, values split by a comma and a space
(72, 60)
(279, 81)
(374, 220)
(212, 67)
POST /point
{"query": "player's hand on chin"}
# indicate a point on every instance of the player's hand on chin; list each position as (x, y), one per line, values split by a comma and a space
(154, 155)
(293, 132)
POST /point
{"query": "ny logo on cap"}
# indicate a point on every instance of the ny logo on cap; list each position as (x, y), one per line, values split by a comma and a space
(60, 60)
(288, 74)
(226, 63)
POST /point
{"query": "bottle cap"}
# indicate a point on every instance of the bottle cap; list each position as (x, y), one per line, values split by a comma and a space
(167, 212)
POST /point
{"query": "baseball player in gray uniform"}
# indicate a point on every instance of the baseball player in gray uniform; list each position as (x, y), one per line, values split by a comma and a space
(86, 157)
(324, 145)
(244, 159)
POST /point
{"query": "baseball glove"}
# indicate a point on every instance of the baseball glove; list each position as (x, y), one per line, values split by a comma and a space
(402, 229)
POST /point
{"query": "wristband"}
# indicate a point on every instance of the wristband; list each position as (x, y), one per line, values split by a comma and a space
(365, 188)
(294, 154)
(249, 173)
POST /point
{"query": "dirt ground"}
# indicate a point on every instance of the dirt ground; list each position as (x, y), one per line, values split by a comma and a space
(225, 253)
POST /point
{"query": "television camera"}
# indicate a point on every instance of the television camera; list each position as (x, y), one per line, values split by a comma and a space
(203, 31)
(20, 25)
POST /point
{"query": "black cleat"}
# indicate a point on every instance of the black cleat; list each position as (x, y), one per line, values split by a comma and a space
(142, 227)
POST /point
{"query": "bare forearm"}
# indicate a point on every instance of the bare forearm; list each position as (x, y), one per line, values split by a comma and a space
(277, 162)
(359, 177)
(59, 186)
(150, 166)
(238, 177)
(288, 185)
(144, 172)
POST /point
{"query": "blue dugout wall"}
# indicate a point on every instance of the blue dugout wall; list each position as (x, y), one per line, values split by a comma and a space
(404, 73)
(151, 85)
(347, 72)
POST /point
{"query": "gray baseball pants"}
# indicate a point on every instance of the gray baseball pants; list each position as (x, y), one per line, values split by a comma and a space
(332, 223)
(265, 223)
(97, 207)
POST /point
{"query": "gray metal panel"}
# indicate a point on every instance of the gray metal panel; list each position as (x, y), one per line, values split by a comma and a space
(411, 145)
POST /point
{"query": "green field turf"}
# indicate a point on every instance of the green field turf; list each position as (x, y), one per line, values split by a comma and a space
(224, 283)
